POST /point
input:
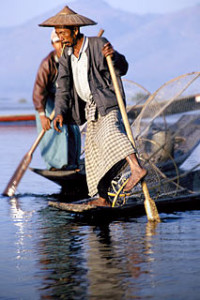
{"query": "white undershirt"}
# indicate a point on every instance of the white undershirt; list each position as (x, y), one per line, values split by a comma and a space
(80, 72)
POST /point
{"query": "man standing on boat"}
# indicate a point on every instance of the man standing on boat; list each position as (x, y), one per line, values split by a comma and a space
(59, 151)
(85, 90)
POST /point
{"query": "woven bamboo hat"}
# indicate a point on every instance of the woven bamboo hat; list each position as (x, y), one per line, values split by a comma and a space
(67, 17)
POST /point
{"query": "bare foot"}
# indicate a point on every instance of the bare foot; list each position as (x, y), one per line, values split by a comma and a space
(135, 177)
(99, 202)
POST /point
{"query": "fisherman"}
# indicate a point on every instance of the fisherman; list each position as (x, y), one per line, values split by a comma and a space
(66, 155)
(85, 90)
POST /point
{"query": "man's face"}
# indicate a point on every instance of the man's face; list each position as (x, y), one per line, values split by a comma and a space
(68, 37)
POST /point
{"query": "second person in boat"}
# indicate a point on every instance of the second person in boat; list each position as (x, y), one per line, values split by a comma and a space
(59, 151)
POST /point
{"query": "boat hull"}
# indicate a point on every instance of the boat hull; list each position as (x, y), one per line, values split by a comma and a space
(134, 208)
(73, 183)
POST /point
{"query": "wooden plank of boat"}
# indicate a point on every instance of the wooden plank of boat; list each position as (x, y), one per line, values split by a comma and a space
(134, 207)
(73, 182)
(59, 175)
(17, 118)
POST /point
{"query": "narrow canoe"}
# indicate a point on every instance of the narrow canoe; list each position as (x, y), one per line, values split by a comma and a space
(72, 182)
(17, 118)
(133, 208)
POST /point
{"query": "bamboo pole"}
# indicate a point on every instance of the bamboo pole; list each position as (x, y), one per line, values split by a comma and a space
(149, 204)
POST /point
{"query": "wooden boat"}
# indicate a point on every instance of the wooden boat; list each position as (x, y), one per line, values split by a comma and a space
(73, 183)
(133, 208)
(17, 118)
(74, 198)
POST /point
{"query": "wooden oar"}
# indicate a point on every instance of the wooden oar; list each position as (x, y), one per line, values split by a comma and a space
(149, 204)
(22, 167)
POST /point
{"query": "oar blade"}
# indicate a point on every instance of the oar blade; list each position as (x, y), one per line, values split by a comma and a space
(14, 181)
(151, 210)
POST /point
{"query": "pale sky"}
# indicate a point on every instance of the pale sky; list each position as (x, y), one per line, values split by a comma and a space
(16, 12)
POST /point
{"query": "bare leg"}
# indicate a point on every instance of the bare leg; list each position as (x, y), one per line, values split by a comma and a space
(137, 172)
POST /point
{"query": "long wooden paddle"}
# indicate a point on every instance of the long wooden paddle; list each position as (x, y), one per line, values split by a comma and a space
(25, 162)
(149, 204)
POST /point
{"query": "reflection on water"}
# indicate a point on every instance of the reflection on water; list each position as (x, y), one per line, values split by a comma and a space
(91, 260)
(20, 219)
(48, 254)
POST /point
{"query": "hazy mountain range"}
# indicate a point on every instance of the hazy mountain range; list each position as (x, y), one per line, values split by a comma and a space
(157, 47)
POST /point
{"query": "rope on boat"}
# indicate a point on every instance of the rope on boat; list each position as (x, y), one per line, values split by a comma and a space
(117, 194)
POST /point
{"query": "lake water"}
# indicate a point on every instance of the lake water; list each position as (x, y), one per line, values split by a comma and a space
(48, 254)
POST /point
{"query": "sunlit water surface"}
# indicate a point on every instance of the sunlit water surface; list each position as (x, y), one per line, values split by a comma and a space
(46, 253)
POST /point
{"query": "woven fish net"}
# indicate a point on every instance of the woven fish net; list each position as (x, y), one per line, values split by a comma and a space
(136, 96)
(165, 134)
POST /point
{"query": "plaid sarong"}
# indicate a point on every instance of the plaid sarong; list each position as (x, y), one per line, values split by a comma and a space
(91, 110)
(106, 144)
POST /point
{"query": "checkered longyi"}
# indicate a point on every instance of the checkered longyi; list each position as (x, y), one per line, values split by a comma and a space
(106, 144)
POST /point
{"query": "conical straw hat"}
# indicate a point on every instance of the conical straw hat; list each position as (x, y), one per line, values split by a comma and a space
(67, 17)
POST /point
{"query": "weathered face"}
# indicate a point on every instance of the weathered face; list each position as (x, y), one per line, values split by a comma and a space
(67, 36)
